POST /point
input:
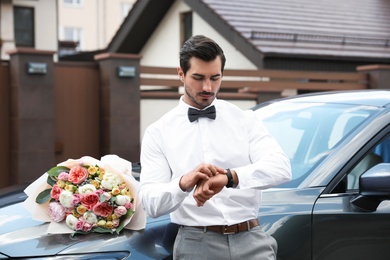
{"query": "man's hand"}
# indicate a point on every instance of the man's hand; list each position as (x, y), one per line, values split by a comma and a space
(208, 188)
(201, 172)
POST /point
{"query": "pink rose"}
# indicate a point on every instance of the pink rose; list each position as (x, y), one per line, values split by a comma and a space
(129, 205)
(120, 211)
(87, 227)
(63, 176)
(100, 191)
(103, 209)
(79, 224)
(56, 211)
(55, 192)
(76, 199)
(78, 174)
(115, 222)
(89, 200)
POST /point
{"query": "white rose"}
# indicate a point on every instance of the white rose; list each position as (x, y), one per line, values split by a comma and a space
(66, 198)
(110, 180)
(121, 200)
(71, 221)
(87, 188)
(90, 217)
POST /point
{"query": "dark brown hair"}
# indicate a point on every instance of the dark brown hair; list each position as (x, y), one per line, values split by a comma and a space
(201, 47)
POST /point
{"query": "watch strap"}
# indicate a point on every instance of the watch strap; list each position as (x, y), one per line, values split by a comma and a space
(230, 182)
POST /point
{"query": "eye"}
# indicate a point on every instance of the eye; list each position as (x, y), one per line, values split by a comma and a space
(198, 77)
(215, 78)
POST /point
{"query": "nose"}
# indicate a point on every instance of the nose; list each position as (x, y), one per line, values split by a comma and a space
(207, 85)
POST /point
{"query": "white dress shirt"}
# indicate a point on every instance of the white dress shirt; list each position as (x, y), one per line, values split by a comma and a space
(236, 139)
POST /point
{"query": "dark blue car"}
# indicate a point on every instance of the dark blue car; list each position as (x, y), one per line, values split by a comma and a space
(337, 205)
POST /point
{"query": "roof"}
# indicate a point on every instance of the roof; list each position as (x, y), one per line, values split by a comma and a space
(347, 29)
(138, 26)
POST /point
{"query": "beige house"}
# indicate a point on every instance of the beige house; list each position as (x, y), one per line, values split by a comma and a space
(90, 24)
(281, 34)
(26, 23)
(299, 35)
(48, 24)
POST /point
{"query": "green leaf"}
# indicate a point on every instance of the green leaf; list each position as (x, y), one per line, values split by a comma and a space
(43, 197)
(53, 174)
(122, 223)
(55, 171)
(112, 199)
(102, 230)
(51, 180)
(99, 230)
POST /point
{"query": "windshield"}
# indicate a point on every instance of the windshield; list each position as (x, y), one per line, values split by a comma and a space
(308, 132)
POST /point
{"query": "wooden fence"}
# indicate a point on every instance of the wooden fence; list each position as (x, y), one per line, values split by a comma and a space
(248, 84)
(80, 100)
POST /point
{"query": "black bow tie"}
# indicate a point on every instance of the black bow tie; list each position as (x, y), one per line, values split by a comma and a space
(194, 114)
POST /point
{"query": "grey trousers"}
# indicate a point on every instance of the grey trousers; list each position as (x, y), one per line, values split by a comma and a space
(193, 243)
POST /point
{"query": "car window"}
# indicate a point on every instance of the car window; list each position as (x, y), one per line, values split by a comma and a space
(308, 132)
(381, 153)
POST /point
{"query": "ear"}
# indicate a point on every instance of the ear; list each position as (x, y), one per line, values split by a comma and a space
(181, 74)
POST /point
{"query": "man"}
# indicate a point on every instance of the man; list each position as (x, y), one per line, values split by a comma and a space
(208, 171)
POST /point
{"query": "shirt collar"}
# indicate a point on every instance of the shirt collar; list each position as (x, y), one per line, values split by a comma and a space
(186, 106)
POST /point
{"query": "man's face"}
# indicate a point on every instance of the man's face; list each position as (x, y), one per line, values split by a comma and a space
(202, 82)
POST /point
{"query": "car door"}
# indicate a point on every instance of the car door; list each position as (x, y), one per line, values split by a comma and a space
(340, 230)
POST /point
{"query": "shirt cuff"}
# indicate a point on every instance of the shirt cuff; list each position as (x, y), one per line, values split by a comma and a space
(177, 190)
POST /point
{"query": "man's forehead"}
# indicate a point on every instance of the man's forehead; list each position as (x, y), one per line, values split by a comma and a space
(205, 68)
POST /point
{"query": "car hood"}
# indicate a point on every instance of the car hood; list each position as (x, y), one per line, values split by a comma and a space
(23, 237)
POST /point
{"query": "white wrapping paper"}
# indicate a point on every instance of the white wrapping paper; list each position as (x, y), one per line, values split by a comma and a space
(111, 163)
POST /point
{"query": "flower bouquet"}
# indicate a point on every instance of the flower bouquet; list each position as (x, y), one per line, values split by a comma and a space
(87, 195)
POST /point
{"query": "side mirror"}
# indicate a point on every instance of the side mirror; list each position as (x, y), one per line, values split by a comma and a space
(374, 187)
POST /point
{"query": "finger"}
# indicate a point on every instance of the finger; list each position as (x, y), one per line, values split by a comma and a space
(216, 170)
(207, 169)
(220, 170)
(199, 200)
(201, 196)
(203, 176)
(207, 192)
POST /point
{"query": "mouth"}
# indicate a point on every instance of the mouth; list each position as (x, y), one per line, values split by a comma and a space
(206, 95)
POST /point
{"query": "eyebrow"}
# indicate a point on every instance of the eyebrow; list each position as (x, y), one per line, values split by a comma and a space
(201, 75)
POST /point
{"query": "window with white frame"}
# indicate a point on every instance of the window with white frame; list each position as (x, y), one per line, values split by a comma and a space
(72, 2)
(73, 34)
